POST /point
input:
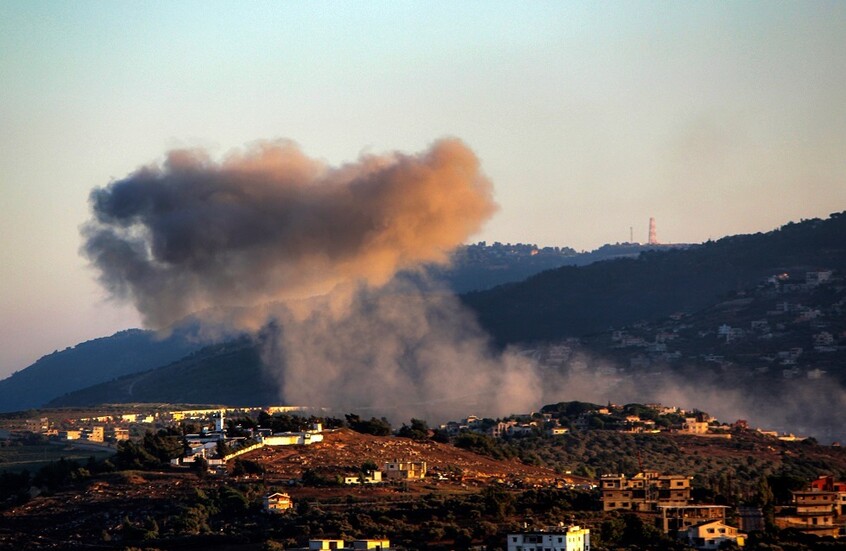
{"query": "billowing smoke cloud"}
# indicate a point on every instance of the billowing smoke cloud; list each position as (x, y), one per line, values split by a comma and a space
(271, 224)
(270, 234)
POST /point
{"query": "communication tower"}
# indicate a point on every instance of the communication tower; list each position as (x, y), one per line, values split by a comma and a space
(653, 234)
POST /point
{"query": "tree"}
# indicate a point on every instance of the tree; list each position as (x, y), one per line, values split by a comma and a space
(376, 427)
(418, 430)
(201, 467)
(222, 449)
(498, 502)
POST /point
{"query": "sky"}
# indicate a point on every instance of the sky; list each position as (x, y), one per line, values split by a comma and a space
(716, 118)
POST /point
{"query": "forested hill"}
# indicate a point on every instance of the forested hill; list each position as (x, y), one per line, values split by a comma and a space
(92, 362)
(574, 301)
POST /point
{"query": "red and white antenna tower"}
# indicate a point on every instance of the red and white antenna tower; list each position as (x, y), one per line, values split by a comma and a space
(653, 234)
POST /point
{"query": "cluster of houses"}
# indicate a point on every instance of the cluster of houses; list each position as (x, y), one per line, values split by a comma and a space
(216, 448)
(519, 425)
(613, 417)
(781, 326)
(820, 509)
(341, 545)
(100, 431)
(668, 498)
(121, 425)
(396, 470)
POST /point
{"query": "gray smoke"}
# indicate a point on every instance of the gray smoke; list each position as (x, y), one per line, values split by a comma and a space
(400, 351)
(271, 224)
(270, 234)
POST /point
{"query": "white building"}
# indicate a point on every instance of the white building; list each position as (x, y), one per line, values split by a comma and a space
(573, 538)
(370, 477)
(303, 438)
(710, 535)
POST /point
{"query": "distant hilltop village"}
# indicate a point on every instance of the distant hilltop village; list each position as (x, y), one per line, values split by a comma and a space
(209, 425)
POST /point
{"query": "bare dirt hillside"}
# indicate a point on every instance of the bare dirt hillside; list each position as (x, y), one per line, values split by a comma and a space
(345, 449)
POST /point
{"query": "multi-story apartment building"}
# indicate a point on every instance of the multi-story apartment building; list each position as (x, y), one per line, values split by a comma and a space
(813, 512)
(644, 491)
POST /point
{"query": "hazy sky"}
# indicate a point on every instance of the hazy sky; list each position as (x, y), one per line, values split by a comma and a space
(714, 117)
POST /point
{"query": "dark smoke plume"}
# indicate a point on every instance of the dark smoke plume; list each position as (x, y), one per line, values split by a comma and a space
(271, 224)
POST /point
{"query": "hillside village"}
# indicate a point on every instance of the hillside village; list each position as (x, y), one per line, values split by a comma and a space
(572, 475)
(790, 325)
(293, 456)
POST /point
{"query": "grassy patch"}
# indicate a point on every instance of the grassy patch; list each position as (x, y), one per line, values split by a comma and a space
(32, 457)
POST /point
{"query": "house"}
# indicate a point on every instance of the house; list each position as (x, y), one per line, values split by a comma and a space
(644, 491)
(97, 434)
(117, 434)
(340, 545)
(812, 512)
(523, 429)
(828, 484)
(303, 438)
(370, 477)
(573, 538)
(812, 279)
(693, 426)
(70, 434)
(374, 545)
(37, 425)
(404, 470)
(711, 535)
(498, 429)
(823, 339)
(277, 503)
(320, 545)
(676, 519)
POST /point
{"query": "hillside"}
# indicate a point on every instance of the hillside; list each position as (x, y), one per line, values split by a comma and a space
(468, 499)
(473, 267)
(617, 293)
(229, 373)
(482, 266)
(346, 449)
(576, 301)
(92, 362)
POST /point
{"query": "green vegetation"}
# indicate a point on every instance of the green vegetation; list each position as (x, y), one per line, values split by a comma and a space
(92, 362)
(154, 451)
(418, 430)
(582, 300)
(31, 456)
(376, 427)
